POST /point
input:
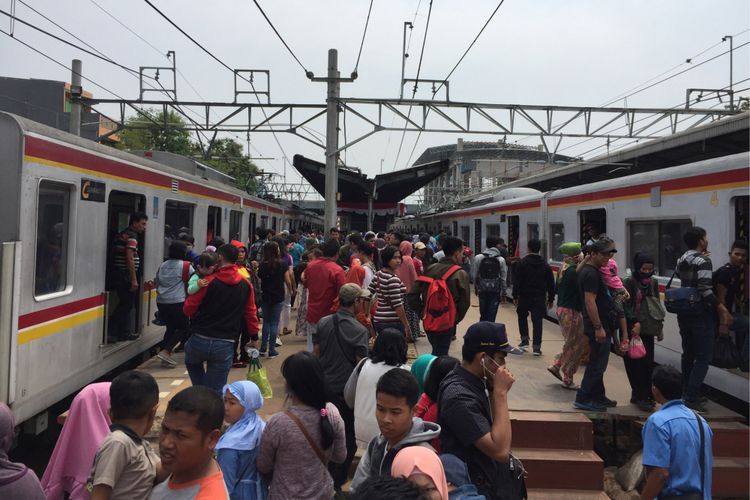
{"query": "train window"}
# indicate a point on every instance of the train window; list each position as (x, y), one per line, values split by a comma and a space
(465, 234)
(273, 223)
(213, 227)
(53, 227)
(593, 224)
(556, 238)
(532, 232)
(264, 221)
(178, 219)
(493, 230)
(252, 223)
(235, 224)
(660, 239)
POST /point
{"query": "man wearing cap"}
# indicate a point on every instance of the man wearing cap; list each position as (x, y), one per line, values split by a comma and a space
(476, 427)
(340, 341)
(597, 326)
(489, 282)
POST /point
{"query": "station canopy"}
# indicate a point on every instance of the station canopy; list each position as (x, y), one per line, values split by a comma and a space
(356, 188)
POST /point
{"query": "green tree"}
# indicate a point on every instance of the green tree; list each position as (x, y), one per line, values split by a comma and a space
(226, 155)
(149, 132)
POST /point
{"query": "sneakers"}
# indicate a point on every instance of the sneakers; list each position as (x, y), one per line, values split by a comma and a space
(239, 364)
(697, 405)
(166, 360)
(607, 403)
(272, 355)
(555, 371)
(537, 351)
(589, 406)
(570, 385)
(524, 344)
(644, 405)
(278, 342)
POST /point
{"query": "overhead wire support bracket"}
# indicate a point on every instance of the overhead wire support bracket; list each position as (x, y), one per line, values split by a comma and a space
(701, 92)
(238, 74)
(163, 90)
(435, 90)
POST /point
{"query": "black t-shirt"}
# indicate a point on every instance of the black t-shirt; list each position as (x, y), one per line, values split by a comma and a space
(464, 416)
(729, 276)
(272, 282)
(589, 280)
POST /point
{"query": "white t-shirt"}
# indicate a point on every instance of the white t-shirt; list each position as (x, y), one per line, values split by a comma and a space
(365, 423)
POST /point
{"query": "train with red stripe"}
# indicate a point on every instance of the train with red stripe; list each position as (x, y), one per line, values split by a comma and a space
(644, 212)
(62, 200)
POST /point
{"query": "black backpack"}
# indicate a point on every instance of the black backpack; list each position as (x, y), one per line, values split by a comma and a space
(488, 275)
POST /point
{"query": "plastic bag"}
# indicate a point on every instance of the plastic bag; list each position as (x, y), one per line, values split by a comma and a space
(726, 354)
(257, 374)
(637, 349)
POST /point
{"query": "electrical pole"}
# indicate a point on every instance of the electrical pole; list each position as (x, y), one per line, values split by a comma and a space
(76, 91)
(731, 63)
(332, 135)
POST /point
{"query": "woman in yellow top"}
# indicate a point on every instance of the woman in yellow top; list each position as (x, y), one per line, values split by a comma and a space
(240, 355)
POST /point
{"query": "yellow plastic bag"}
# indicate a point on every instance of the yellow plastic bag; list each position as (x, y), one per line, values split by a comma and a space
(258, 375)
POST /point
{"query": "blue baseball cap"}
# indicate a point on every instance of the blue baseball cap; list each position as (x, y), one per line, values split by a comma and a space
(486, 336)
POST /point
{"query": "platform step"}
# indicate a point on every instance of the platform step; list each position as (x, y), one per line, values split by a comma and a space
(730, 439)
(562, 468)
(536, 429)
(730, 477)
(546, 494)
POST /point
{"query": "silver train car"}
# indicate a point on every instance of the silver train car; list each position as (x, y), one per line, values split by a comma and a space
(645, 212)
(62, 200)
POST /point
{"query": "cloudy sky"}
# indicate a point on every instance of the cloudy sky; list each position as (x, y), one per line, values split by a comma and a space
(574, 52)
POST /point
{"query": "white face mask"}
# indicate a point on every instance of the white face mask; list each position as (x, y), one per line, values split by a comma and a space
(484, 367)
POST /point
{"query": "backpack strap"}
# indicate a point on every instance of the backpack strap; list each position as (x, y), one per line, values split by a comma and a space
(450, 271)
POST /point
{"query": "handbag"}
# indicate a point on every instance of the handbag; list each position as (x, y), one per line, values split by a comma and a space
(258, 375)
(310, 441)
(684, 300)
(637, 349)
(726, 354)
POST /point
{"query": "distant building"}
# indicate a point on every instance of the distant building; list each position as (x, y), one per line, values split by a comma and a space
(48, 102)
(477, 167)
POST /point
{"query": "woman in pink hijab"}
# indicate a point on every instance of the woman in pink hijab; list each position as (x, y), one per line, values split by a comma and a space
(84, 430)
(423, 467)
(408, 275)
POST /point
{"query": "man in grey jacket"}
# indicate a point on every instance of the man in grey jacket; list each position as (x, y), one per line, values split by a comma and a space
(489, 280)
(397, 394)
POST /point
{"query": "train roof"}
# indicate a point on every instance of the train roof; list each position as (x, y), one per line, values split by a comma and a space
(27, 126)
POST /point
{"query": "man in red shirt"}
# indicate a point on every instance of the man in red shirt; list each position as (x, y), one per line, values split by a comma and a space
(323, 279)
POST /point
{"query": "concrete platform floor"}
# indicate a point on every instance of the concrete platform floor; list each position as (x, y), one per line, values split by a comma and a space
(535, 389)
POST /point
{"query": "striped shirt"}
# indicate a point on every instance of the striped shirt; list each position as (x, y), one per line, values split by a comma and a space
(124, 241)
(695, 270)
(390, 290)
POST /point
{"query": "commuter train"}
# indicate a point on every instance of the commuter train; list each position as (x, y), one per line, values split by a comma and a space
(62, 200)
(645, 212)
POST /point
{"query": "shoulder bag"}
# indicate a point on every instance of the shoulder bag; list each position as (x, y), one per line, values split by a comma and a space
(684, 300)
(310, 441)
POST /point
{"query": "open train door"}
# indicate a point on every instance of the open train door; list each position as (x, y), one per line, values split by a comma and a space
(593, 223)
(121, 206)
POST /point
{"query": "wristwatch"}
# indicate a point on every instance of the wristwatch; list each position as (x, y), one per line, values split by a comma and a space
(598, 327)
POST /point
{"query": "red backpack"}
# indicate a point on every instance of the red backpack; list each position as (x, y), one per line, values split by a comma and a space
(439, 309)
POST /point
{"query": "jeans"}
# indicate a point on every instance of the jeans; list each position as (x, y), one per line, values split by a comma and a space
(488, 304)
(176, 322)
(121, 323)
(592, 385)
(538, 308)
(697, 334)
(441, 341)
(271, 315)
(340, 472)
(216, 353)
(640, 370)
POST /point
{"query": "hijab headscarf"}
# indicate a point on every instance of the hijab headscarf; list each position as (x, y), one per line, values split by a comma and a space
(84, 430)
(638, 261)
(421, 368)
(421, 460)
(245, 433)
(16, 480)
(406, 271)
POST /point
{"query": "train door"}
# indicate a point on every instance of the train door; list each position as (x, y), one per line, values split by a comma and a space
(514, 223)
(121, 206)
(235, 225)
(593, 223)
(252, 223)
(740, 217)
(477, 236)
(455, 228)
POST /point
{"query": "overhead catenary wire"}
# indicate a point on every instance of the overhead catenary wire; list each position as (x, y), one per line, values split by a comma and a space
(222, 63)
(279, 35)
(364, 34)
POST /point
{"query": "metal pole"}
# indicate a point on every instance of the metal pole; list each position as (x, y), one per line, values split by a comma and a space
(75, 95)
(332, 140)
(403, 59)
(731, 83)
